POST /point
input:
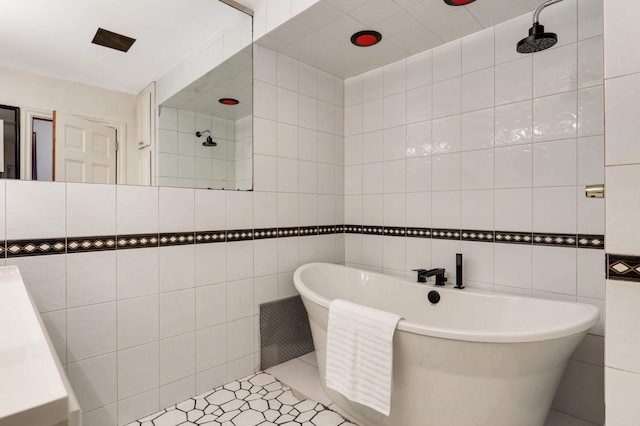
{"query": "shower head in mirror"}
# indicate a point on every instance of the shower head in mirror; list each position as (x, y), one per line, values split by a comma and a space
(209, 141)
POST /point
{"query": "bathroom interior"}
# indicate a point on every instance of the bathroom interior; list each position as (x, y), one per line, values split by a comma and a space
(149, 260)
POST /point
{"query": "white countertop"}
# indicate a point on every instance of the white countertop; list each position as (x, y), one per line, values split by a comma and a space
(32, 391)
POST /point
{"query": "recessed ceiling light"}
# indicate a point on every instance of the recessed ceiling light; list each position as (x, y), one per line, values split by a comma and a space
(458, 2)
(228, 101)
(366, 38)
(113, 40)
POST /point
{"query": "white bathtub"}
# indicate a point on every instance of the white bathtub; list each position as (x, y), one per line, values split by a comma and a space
(476, 358)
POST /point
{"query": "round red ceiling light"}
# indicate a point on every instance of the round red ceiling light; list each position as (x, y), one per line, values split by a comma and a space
(366, 38)
(458, 2)
(228, 101)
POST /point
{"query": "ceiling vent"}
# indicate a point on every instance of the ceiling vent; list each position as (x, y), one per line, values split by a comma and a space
(113, 40)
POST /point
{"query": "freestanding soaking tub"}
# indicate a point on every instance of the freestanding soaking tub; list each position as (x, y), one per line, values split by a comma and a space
(473, 359)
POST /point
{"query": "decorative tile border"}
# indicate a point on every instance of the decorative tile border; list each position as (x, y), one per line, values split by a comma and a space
(21, 248)
(36, 247)
(621, 267)
(85, 244)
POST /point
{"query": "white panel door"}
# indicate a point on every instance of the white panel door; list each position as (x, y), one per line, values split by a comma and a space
(84, 151)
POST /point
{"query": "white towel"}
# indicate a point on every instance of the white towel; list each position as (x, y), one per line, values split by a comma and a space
(360, 353)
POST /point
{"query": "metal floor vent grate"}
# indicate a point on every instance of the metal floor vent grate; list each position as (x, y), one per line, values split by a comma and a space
(113, 40)
(285, 333)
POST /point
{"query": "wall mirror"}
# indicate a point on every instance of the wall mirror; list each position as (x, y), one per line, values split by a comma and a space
(88, 113)
(204, 137)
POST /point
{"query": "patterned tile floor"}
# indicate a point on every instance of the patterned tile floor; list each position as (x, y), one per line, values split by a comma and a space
(255, 400)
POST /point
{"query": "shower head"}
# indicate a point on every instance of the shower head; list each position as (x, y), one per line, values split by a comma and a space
(538, 40)
(209, 141)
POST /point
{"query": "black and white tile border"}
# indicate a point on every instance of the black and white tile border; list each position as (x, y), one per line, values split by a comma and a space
(621, 267)
(255, 400)
(36, 247)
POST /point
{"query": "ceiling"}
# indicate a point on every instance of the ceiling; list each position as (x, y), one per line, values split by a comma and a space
(54, 37)
(232, 78)
(320, 36)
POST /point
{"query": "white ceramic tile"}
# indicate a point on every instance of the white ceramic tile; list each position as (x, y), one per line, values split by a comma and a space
(554, 270)
(447, 97)
(590, 19)
(265, 173)
(307, 80)
(373, 84)
(373, 115)
(353, 150)
(288, 210)
(288, 140)
(353, 90)
(186, 121)
(168, 118)
(371, 250)
(514, 209)
(395, 77)
(372, 178)
(177, 358)
(418, 139)
(209, 210)
(373, 209)
(288, 180)
(91, 278)
(394, 209)
(138, 370)
(186, 168)
(177, 313)
(554, 209)
(94, 381)
(419, 104)
(621, 206)
(137, 272)
(590, 111)
(395, 110)
(285, 285)
(287, 72)
(239, 205)
(507, 36)
(395, 146)
(353, 249)
(176, 210)
(590, 61)
(287, 106)
(308, 209)
(591, 217)
(581, 391)
(555, 117)
(419, 209)
(210, 379)
(443, 255)
(555, 71)
(395, 176)
(35, 209)
(353, 120)
(187, 141)
(478, 261)
(447, 60)
(138, 406)
(177, 267)
(514, 123)
(555, 163)
(478, 90)
(288, 254)
(514, 81)
(91, 331)
(591, 274)
(622, 129)
(393, 253)
(138, 321)
(243, 342)
(477, 169)
(477, 210)
(564, 22)
(239, 299)
(265, 257)
(168, 168)
(241, 367)
(211, 347)
(137, 209)
(447, 135)
(56, 325)
(621, 346)
(211, 305)
(418, 174)
(514, 166)
(513, 265)
(478, 51)
(445, 209)
(45, 276)
(265, 136)
(91, 209)
(446, 172)
(620, 388)
(265, 290)
(478, 130)
(420, 69)
(104, 416)
(597, 329)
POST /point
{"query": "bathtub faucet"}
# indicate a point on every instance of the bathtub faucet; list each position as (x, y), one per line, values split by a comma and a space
(423, 274)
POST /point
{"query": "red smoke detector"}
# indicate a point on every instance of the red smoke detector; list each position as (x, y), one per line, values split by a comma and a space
(228, 101)
(458, 2)
(366, 38)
